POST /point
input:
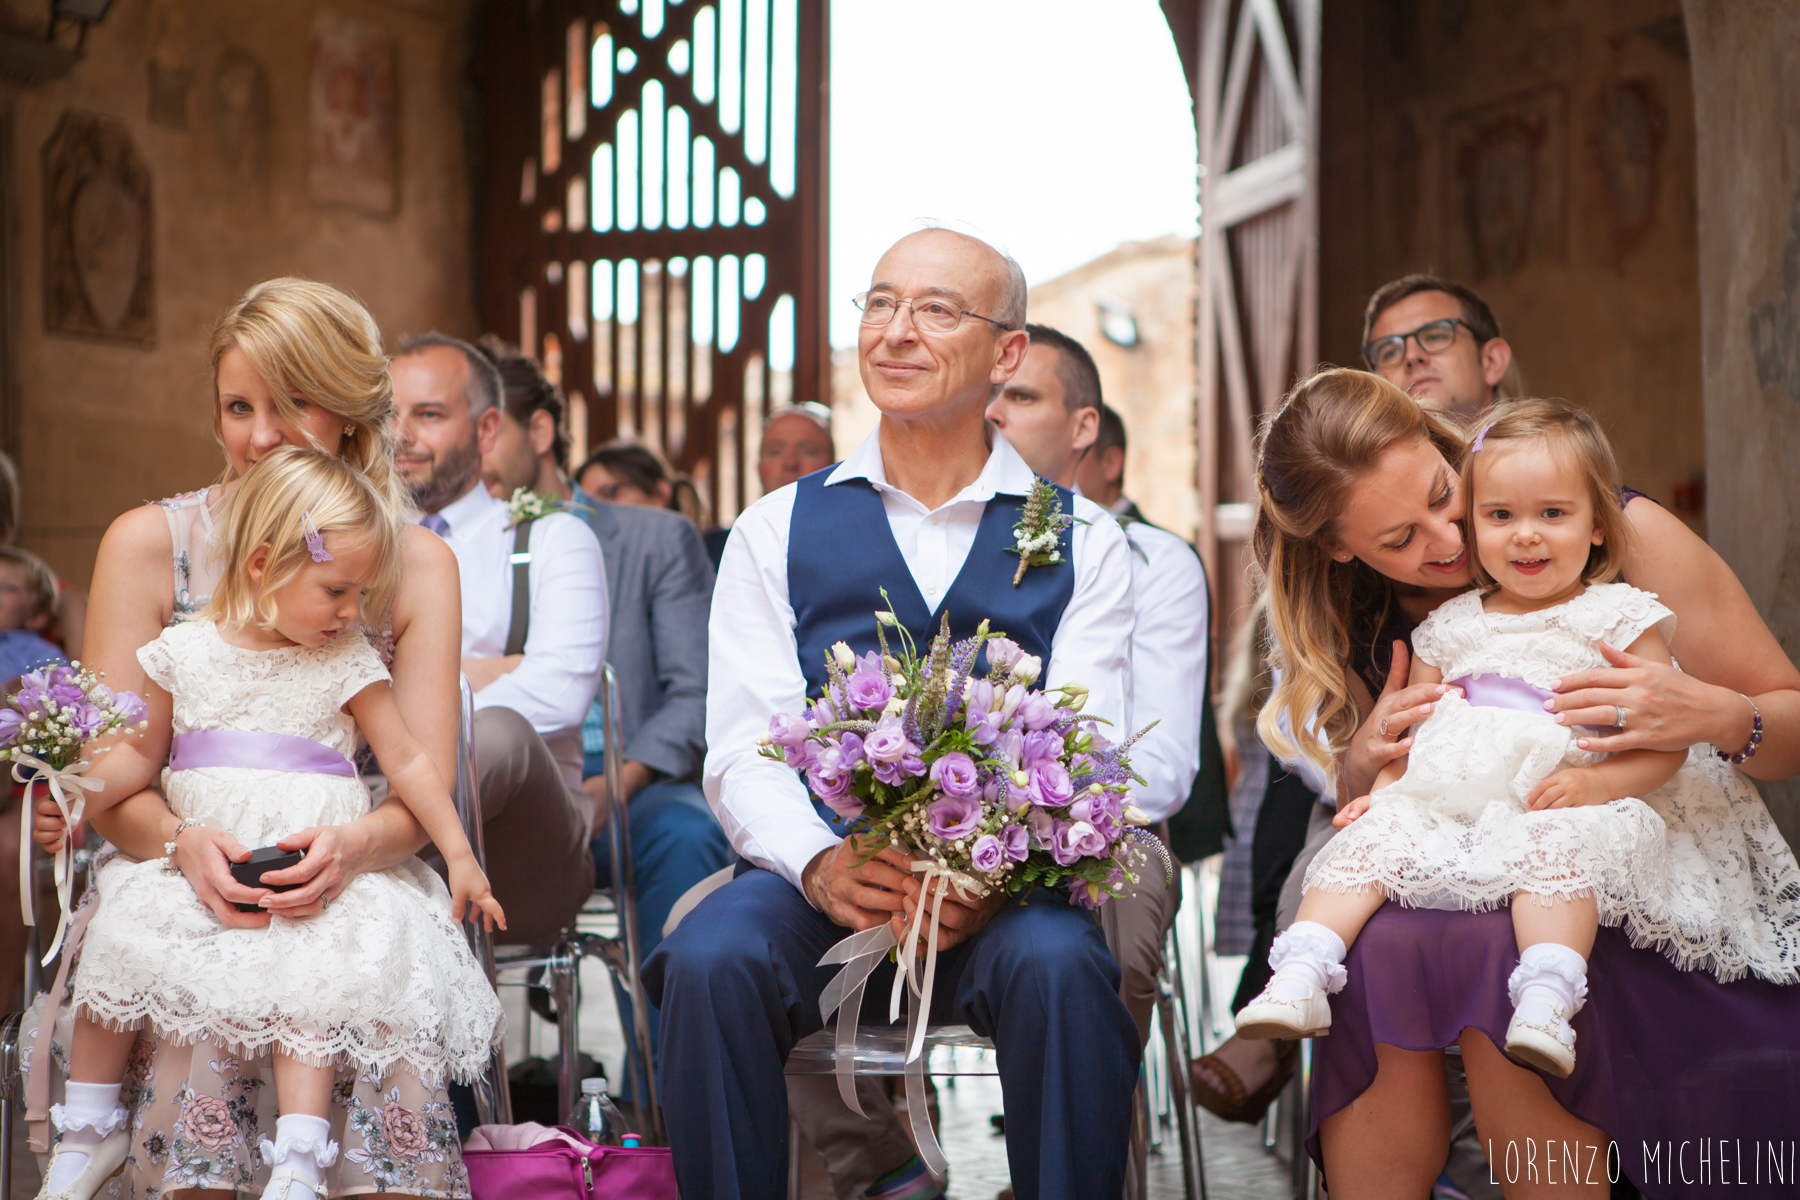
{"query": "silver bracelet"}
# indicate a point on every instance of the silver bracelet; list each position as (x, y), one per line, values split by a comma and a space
(169, 867)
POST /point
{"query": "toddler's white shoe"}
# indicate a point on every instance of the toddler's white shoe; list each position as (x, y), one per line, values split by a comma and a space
(1290, 1006)
(104, 1158)
(1540, 1036)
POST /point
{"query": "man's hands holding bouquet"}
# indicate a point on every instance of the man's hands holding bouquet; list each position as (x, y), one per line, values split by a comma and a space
(860, 892)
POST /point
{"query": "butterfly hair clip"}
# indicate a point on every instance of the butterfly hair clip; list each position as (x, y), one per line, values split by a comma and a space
(315, 541)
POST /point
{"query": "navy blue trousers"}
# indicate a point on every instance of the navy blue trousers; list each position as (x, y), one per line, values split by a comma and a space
(738, 985)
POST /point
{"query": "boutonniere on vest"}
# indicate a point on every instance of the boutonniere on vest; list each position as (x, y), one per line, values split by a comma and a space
(527, 505)
(980, 780)
(1039, 529)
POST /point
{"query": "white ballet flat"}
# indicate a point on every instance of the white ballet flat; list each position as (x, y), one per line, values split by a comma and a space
(282, 1180)
(1542, 1041)
(1268, 1016)
(104, 1160)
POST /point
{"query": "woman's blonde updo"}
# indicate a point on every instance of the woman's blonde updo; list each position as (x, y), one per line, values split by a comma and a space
(311, 340)
(1328, 431)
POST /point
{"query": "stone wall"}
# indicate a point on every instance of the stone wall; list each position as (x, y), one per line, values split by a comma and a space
(1746, 67)
(1542, 152)
(197, 147)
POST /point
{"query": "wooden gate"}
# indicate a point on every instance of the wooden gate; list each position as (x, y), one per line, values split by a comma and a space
(653, 216)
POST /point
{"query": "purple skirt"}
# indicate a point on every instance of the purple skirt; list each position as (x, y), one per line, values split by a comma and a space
(1697, 1081)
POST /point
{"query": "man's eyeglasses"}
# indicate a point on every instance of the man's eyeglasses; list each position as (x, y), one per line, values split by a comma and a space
(934, 314)
(1434, 337)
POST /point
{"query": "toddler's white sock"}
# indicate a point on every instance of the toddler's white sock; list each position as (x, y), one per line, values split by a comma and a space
(1311, 951)
(302, 1145)
(88, 1113)
(1549, 972)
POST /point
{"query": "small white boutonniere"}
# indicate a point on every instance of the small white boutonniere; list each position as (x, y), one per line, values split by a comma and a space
(1039, 529)
(527, 505)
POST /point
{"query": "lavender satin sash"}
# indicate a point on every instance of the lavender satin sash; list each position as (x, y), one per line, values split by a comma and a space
(1498, 691)
(262, 751)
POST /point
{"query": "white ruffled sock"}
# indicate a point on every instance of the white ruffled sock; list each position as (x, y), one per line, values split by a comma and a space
(1549, 973)
(1311, 951)
(88, 1113)
(302, 1145)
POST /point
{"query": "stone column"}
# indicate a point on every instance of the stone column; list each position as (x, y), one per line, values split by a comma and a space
(1746, 72)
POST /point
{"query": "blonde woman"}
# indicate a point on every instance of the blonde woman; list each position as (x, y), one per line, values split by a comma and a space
(1360, 537)
(294, 363)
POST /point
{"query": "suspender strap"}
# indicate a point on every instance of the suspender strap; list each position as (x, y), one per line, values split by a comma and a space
(521, 604)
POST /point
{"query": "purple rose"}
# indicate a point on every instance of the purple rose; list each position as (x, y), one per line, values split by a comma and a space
(988, 853)
(886, 743)
(1043, 746)
(1043, 828)
(1017, 841)
(955, 775)
(850, 750)
(991, 786)
(867, 687)
(1090, 807)
(1003, 653)
(952, 817)
(788, 729)
(834, 788)
(1035, 712)
(131, 706)
(802, 756)
(823, 713)
(66, 695)
(86, 719)
(1085, 895)
(30, 700)
(1076, 840)
(1009, 747)
(1052, 784)
(10, 723)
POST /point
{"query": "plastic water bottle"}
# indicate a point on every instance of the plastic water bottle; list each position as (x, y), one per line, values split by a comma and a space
(597, 1118)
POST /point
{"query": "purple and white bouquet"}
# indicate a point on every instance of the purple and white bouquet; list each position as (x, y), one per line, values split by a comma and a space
(58, 710)
(999, 784)
(44, 728)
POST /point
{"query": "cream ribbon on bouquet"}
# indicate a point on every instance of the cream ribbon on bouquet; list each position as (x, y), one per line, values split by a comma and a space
(63, 860)
(861, 953)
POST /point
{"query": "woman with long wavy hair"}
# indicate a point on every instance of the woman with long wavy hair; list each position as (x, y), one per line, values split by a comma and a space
(1358, 537)
(294, 363)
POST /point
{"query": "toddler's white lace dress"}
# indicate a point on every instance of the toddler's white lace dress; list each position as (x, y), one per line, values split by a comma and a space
(1696, 868)
(382, 978)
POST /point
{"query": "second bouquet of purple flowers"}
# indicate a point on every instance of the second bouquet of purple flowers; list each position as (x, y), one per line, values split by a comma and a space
(996, 782)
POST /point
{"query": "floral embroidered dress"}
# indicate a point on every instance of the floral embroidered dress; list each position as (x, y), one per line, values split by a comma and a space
(1696, 868)
(199, 1107)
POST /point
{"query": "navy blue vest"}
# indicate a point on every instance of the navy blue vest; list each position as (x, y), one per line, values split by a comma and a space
(841, 554)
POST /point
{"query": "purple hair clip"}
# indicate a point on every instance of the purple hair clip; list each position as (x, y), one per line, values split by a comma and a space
(1480, 439)
(315, 541)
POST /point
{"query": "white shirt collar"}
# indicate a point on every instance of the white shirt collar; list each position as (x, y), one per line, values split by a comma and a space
(1004, 473)
(467, 511)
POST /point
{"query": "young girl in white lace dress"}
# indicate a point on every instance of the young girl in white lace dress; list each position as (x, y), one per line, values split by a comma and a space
(269, 688)
(1497, 802)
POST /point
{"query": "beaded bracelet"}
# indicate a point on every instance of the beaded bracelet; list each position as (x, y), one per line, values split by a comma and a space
(1748, 752)
(169, 867)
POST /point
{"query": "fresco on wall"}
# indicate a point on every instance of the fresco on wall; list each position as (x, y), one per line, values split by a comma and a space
(1628, 151)
(1508, 164)
(240, 101)
(99, 236)
(353, 115)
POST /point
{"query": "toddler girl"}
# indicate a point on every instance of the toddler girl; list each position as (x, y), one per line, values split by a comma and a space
(269, 688)
(1498, 802)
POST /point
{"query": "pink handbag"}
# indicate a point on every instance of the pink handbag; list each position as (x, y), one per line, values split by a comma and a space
(569, 1167)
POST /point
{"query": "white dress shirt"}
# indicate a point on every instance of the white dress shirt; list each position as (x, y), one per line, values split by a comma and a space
(755, 669)
(1168, 665)
(566, 643)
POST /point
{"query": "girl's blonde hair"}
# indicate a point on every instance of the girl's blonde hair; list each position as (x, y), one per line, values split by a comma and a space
(288, 490)
(311, 340)
(1573, 435)
(1328, 431)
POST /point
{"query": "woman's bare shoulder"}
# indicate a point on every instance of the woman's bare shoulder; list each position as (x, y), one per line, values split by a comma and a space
(428, 557)
(137, 536)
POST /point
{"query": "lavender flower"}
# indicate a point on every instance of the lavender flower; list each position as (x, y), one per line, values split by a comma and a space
(787, 729)
(955, 776)
(953, 816)
(987, 853)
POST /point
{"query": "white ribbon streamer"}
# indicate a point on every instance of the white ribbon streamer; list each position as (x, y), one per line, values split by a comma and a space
(63, 860)
(861, 953)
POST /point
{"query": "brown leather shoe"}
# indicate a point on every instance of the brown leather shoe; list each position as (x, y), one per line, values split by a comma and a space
(1229, 1099)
